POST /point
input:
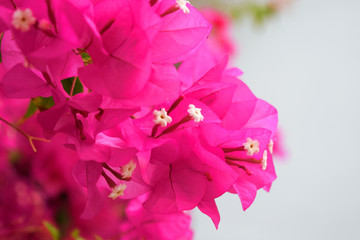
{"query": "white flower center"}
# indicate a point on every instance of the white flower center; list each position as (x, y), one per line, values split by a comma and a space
(182, 5)
(161, 117)
(195, 113)
(128, 169)
(264, 161)
(117, 191)
(251, 146)
(23, 19)
(271, 146)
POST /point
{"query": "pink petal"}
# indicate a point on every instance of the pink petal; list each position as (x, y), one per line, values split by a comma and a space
(264, 116)
(196, 66)
(124, 74)
(246, 191)
(5, 18)
(21, 82)
(88, 102)
(173, 42)
(173, 194)
(10, 53)
(163, 85)
(219, 175)
(218, 96)
(209, 208)
(95, 199)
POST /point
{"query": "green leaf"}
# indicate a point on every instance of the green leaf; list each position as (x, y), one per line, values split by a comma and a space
(43, 103)
(260, 12)
(76, 235)
(40, 103)
(54, 232)
(86, 58)
(177, 65)
(32, 108)
(67, 84)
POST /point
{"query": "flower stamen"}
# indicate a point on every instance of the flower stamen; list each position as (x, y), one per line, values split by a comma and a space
(227, 150)
(115, 173)
(247, 171)
(180, 4)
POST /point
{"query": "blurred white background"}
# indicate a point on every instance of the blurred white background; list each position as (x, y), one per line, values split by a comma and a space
(306, 62)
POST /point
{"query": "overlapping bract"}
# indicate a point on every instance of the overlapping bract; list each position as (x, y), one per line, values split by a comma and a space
(133, 59)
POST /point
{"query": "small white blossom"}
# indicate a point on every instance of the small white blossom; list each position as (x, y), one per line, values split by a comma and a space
(161, 117)
(182, 5)
(271, 146)
(251, 146)
(128, 169)
(264, 161)
(195, 113)
(23, 19)
(117, 191)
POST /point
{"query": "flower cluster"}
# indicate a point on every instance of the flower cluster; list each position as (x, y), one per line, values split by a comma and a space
(157, 120)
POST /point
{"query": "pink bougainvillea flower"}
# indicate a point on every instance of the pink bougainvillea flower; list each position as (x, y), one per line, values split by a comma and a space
(42, 38)
(102, 181)
(126, 63)
(245, 109)
(56, 69)
(255, 171)
(169, 176)
(141, 223)
(160, 125)
(173, 42)
(127, 71)
(63, 115)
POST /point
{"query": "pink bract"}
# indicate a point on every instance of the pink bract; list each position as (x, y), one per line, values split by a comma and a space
(152, 120)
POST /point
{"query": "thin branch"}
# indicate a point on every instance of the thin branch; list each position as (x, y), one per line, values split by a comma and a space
(29, 137)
